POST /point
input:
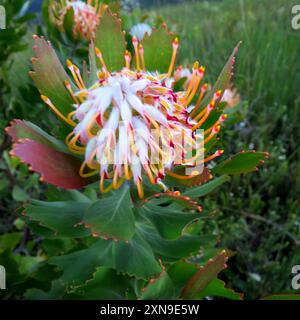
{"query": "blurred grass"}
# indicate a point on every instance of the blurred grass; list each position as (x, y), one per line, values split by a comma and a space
(268, 67)
(258, 213)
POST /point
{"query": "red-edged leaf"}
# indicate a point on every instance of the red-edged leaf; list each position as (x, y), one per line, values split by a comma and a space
(110, 40)
(21, 129)
(160, 287)
(217, 288)
(204, 276)
(184, 201)
(49, 75)
(222, 81)
(243, 162)
(55, 167)
(158, 49)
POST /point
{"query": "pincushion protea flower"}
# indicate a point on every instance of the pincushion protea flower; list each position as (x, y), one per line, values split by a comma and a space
(86, 15)
(111, 111)
(115, 118)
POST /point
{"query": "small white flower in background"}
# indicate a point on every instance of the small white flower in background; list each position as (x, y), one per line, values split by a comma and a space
(231, 97)
(140, 30)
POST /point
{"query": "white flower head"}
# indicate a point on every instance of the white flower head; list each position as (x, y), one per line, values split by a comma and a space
(132, 123)
(140, 30)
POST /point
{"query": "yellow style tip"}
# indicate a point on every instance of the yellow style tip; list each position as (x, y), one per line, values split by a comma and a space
(196, 65)
(98, 52)
(69, 63)
(45, 99)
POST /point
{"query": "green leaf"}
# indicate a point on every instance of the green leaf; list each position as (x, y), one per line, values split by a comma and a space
(283, 297)
(92, 74)
(204, 276)
(181, 247)
(160, 288)
(11, 263)
(61, 217)
(56, 292)
(79, 266)
(58, 194)
(222, 81)
(57, 246)
(158, 49)
(136, 258)
(180, 272)
(169, 223)
(105, 285)
(10, 240)
(69, 23)
(178, 201)
(46, 63)
(207, 188)
(21, 66)
(19, 194)
(112, 216)
(110, 40)
(242, 162)
(216, 288)
(115, 6)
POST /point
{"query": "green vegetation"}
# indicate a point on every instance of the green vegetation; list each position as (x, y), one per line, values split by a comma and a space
(258, 215)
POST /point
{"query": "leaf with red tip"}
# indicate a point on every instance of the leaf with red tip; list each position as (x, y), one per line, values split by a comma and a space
(110, 40)
(21, 129)
(158, 49)
(204, 276)
(174, 196)
(242, 162)
(49, 75)
(56, 167)
(217, 288)
(222, 81)
(158, 288)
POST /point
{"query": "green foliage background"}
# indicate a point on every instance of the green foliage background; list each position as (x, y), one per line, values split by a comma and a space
(257, 216)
